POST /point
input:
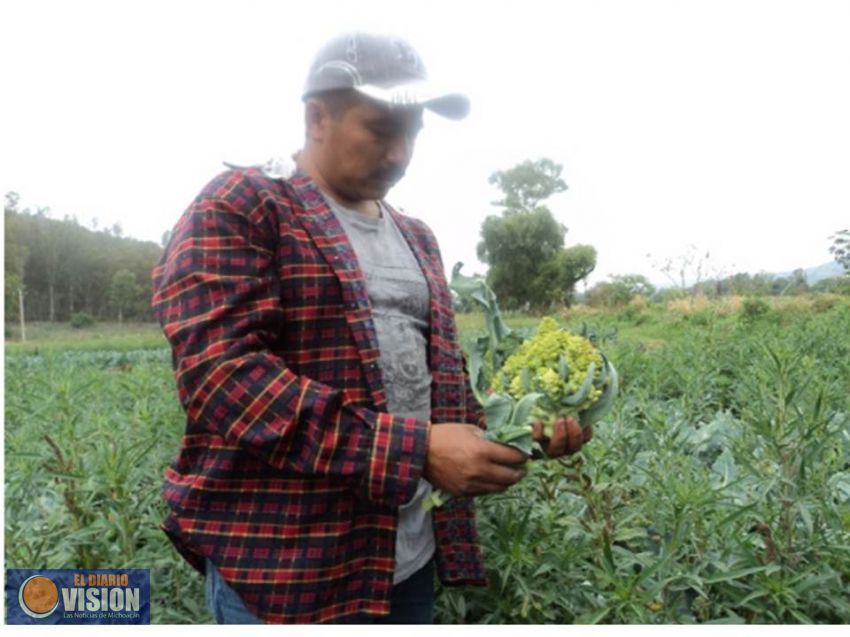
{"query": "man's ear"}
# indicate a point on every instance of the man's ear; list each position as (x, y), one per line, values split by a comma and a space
(316, 118)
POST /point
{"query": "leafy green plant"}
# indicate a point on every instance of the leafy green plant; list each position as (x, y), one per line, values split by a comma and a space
(754, 308)
(87, 438)
(82, 319)
(717, 491)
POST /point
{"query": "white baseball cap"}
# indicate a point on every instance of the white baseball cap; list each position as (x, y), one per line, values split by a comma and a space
(384, 68)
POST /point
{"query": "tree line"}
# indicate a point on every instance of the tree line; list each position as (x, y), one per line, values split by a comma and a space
(693, 274)
(620, 289)
(59, 269)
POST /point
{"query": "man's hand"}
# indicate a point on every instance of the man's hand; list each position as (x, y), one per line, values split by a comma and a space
(461, 462)
(568, 437)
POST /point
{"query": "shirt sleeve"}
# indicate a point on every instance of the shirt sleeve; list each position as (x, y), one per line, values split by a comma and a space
(217, 296)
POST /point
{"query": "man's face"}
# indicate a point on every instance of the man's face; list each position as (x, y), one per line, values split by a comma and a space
(366, 150)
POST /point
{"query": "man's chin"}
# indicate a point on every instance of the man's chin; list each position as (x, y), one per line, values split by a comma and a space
(378, 189)
(369, 190)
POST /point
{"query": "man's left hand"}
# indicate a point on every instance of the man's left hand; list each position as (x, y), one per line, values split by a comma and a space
(567, 438)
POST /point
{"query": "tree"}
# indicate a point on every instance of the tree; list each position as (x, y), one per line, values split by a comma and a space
(745, 284)
(833, 285)
(840, 248)
(48, 265)
(15, 259)
(76, 271)
(524, 246)
(123, 291)
(517, 247)
(11, 202)
(632, 285)
(621, 289)
(566, 269)
(528, 183)
(790, 286)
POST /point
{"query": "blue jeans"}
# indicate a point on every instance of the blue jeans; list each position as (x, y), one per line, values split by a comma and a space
(223, 602)
(412, 601)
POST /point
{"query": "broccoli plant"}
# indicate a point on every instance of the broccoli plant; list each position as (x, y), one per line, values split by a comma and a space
(552, 375)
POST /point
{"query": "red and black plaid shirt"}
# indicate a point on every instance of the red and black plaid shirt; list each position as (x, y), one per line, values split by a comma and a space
(291, 470)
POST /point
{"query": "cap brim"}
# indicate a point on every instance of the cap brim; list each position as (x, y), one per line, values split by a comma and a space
(446, 103)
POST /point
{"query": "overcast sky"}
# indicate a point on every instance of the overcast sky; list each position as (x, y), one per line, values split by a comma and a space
(722, 124)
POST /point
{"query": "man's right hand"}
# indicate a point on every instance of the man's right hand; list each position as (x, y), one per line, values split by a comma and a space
(461, 462)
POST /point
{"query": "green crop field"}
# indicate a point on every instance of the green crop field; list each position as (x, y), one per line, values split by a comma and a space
(718, 489)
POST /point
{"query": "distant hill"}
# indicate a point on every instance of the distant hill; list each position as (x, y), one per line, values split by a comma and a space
(814, 274)
(818, 273)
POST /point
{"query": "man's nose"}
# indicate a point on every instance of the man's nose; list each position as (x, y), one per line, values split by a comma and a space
(400, 149)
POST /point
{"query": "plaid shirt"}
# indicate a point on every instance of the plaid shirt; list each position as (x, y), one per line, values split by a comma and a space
(291, 470)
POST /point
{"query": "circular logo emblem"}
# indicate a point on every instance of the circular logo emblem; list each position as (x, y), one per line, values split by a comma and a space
(38, 596)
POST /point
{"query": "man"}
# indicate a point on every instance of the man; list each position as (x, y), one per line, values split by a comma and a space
(316, 356)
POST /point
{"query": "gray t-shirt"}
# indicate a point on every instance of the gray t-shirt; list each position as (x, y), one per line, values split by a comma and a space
(400, 303)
